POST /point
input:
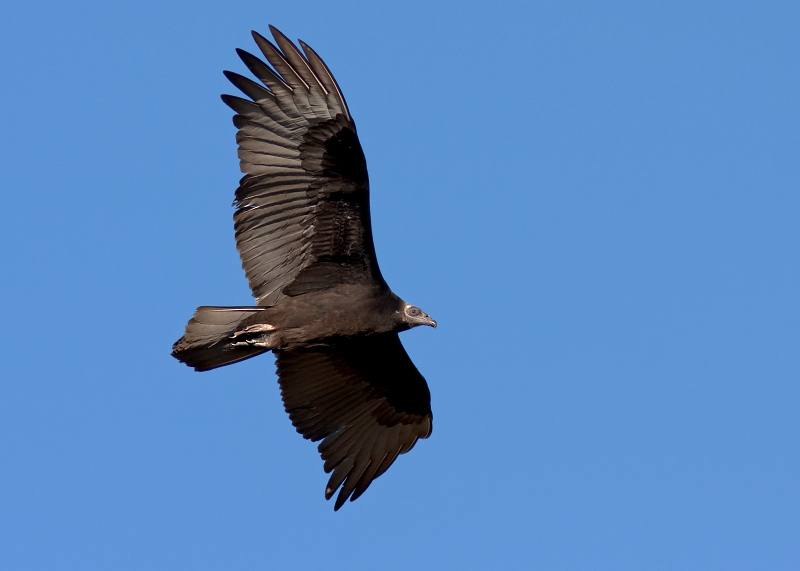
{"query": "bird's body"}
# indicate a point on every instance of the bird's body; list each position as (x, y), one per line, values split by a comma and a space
(346, 310)
(304, 236)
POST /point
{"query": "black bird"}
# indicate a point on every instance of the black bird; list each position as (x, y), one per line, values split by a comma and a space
(303, 234)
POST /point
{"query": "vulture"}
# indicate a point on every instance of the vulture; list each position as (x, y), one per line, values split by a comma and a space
(302, 225)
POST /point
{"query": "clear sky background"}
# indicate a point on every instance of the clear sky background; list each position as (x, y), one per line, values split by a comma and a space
(598, 202)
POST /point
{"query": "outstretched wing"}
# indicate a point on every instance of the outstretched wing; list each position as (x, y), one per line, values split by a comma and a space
(363, 398)
(302, 209)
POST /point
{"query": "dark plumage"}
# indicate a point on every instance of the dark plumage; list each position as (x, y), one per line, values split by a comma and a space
(323, 308)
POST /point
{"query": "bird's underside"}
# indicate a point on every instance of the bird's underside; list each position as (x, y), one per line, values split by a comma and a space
(303, 234)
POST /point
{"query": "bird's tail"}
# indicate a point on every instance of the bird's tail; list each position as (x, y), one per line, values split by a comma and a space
(218, 336)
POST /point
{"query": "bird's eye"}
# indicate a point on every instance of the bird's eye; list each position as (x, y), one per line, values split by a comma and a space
(413, 311)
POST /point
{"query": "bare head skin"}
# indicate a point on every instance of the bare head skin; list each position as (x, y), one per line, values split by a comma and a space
(415, 316)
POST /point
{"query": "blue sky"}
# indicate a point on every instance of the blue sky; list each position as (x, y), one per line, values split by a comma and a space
(597, 202)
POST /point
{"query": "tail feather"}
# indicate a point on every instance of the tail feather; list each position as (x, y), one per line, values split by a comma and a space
(209, 341)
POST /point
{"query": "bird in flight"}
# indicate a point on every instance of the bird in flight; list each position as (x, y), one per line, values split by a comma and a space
(303, 233)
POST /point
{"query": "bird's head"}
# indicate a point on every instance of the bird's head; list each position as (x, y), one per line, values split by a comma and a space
(414, 316)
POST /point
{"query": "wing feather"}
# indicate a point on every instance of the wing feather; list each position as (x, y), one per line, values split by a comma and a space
(249, 87)
(336, 101)
(276, 59)
(304, 199)
(297, 60)
(363, 398)
(317, 93)
(263, 72)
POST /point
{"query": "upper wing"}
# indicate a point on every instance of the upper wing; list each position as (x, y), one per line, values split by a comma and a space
(302, 218)
(363, 398)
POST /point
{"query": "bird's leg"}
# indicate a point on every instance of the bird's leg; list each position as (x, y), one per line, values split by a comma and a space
(257, 335)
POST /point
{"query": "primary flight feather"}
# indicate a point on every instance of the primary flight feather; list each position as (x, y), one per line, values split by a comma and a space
(303, 234)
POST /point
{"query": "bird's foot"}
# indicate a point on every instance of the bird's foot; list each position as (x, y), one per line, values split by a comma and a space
(257, 335)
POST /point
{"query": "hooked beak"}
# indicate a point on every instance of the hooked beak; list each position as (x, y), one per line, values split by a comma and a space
(429, 321)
